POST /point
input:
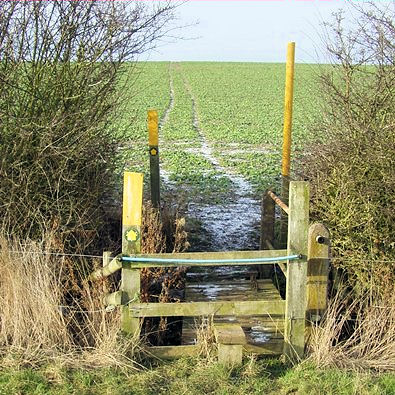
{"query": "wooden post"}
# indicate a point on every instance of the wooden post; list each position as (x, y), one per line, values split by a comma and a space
(153, 142)
(288, 99)
(231, 339)
(295, 304)
(287, 129)
(106, 261)
(267, 230)
(317, 272)
(131, 244)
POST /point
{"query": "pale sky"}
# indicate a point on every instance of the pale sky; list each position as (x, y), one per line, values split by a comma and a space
(250, 30)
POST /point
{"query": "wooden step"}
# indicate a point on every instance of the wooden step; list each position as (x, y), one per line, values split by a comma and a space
(262, 333)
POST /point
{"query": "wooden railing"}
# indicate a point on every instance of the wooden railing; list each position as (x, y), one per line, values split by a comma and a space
(304, 263)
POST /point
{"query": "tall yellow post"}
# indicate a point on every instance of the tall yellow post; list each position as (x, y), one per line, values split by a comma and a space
(131, 244)
(286, 160)
(289, 90)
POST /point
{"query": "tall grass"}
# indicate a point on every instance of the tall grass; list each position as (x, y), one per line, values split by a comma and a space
(358, 333)
(48, 312)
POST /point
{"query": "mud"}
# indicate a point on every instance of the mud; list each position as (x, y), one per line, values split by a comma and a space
(230, 225)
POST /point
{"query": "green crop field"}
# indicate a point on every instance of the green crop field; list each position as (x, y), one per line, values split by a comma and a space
(219, 118)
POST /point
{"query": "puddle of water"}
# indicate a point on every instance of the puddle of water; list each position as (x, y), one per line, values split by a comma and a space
(231, 225)
(213, 291)
(257, 335)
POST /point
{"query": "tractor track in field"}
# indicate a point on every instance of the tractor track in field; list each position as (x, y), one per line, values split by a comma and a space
(230, 224)
(162, 122)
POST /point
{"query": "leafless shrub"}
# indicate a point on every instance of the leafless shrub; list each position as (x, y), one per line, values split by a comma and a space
(63, 67)
(205, 338)
(161, 232)
(352, 171)
(50, 312)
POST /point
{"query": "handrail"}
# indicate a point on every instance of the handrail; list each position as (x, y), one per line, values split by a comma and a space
(278, 201)
(190, 262)
(139, 262)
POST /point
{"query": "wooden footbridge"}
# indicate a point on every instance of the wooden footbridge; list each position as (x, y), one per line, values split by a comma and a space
(233, 288)
(248, 313)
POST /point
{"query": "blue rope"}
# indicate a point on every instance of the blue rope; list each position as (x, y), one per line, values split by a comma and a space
(200, 261)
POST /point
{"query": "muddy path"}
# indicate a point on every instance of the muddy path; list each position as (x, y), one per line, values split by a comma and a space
(162, 122)
(232, 223)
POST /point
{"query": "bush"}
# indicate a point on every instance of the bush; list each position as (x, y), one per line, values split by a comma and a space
(352, 171)
(50, 312)
(61, 68)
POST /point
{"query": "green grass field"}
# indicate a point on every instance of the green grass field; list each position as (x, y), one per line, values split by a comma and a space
(239, 111)
(191, 376)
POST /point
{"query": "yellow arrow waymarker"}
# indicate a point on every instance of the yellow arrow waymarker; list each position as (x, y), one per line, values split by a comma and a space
(132, 235)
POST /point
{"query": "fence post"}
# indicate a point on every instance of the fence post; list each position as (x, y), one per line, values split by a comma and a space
(106, 261)
(295, 304)
(267, 230)
(287, 133)
(131, 244)
(317, 272)
(153, 142)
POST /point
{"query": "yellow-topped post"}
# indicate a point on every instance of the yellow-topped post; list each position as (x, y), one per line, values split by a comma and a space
(287, 131)
(153, 142)
(131, 244)
(288, 101)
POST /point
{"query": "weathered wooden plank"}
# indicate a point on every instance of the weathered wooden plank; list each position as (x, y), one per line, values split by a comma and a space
(153, 142)
(269, 348)
(229, 333)
(173, 352)
(111, 267)
(239, 297)
(295, 310)
(131, 244)
(269, 324)
(114, 299)
(317, 271)
(205, 296)
(210, 275)
(192, 309)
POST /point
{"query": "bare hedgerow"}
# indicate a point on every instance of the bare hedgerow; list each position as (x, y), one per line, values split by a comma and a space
(352, 172)
(62, 66)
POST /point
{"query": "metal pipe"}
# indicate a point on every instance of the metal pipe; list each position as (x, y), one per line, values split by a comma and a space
(278, 201)
(189, 262)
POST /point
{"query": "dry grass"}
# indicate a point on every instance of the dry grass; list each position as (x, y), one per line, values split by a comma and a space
(357, 334)
(47, 313)
(206, 339)
(164, 232)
